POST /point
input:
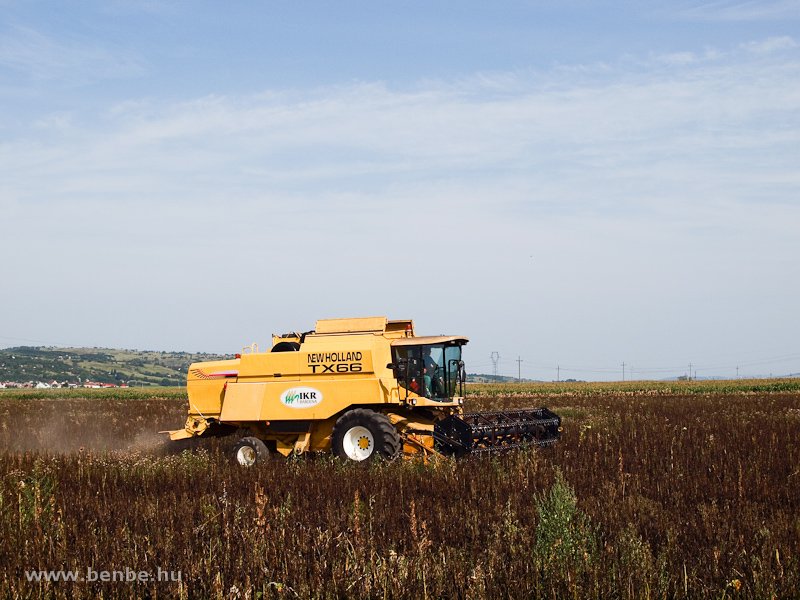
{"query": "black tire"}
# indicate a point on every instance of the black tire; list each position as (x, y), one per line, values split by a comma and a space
(250, 451)
(350, 440)
(286, 347)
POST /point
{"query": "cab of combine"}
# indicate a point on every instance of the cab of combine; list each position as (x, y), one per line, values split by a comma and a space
(361, 388)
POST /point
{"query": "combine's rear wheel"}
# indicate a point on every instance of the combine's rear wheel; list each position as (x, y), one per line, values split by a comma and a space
(250, 451)
(362, 434)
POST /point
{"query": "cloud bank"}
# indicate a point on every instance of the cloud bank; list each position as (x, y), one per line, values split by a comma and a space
(614, 197)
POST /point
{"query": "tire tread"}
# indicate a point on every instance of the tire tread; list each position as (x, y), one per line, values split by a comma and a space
(262, 452)
(387, 439)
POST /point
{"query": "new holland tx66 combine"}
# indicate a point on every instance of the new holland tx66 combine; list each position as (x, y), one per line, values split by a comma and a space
(360, 388)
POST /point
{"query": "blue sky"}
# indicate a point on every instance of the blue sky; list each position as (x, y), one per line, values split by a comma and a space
(579, 184)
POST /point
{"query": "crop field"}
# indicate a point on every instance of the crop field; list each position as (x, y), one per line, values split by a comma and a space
(687, 490)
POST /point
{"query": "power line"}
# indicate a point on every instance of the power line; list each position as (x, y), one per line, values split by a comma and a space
(629, 369)
(537, 370)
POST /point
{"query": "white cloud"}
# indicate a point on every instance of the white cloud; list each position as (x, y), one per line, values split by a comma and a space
(769, 45)
(61, 122)
(636, 186)
(730, 116)
(44, 57)
(751, 10)
(678, 58)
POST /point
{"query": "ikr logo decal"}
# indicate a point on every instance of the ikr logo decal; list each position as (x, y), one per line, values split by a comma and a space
(301, 397)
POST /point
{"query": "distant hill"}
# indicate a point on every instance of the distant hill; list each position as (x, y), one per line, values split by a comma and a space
(103, 365)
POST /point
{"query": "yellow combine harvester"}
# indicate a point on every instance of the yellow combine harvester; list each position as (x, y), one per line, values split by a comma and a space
(361, 388)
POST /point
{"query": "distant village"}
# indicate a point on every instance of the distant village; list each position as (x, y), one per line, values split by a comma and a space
(45, 385)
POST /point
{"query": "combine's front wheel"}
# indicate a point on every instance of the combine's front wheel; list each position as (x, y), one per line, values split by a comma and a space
(250, 451)
(362, 434)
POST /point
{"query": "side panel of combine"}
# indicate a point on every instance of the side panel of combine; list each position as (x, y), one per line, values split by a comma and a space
(322, 379)
(241, 403)
(206, 385)
(283, 401)
(270, 365)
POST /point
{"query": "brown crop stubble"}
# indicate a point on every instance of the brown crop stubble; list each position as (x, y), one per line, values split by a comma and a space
(658, 497)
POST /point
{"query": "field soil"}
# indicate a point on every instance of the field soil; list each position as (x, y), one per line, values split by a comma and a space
(648, 494)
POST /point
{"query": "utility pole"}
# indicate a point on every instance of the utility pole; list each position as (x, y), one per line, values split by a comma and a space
(495, 359)
(737, 371)
(690, 371)
(558, 373)
(519, 369)
(623, 371)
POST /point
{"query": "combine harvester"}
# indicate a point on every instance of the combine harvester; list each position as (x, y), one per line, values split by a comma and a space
(361, 388)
